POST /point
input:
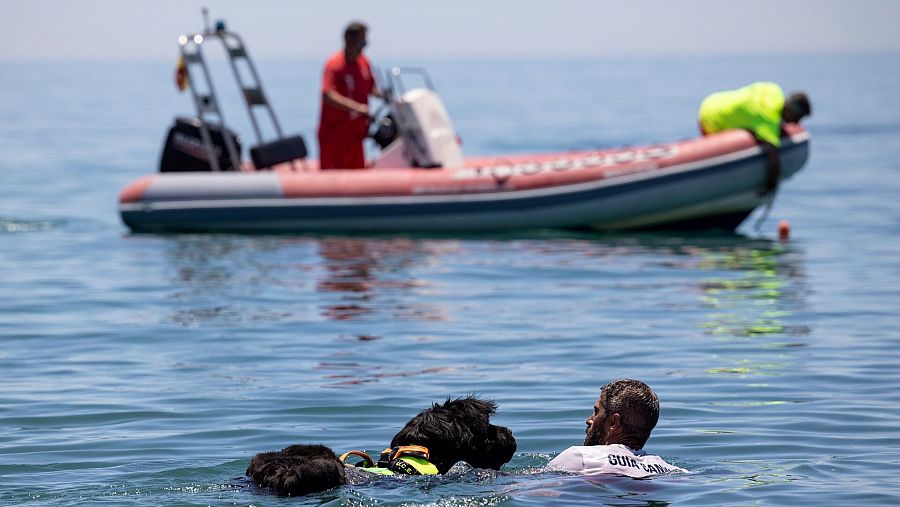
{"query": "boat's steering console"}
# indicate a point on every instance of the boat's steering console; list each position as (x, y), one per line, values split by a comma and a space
(425, 134)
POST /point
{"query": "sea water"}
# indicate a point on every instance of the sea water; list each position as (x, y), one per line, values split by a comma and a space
(148, 369)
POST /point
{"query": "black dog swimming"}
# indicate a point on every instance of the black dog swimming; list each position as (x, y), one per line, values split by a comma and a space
(431, 442)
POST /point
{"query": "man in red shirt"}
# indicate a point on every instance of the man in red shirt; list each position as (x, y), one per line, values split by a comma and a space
(347, 83)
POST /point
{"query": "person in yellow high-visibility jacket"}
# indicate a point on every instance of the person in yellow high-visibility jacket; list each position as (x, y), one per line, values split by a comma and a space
(760, 108)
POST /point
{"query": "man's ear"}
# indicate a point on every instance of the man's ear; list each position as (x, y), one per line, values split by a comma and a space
(613, 423)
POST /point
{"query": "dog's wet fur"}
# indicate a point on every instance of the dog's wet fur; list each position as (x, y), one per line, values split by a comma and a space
(456, 430)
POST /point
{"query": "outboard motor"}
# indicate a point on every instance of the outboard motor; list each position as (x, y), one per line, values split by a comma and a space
(188, 148)
(184, 150)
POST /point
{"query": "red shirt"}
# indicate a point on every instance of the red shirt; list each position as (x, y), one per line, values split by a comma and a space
(350, 79)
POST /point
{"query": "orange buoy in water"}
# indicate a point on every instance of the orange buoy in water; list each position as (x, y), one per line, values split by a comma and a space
(784, 230)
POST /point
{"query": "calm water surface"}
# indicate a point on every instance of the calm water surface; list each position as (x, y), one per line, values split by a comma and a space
(147, 370)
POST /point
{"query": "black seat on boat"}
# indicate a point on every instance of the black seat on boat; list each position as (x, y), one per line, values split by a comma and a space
(286, 149)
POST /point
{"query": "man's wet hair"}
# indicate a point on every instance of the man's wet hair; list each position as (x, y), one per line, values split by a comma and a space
(354, 30)
(800, 103)
(637, 405)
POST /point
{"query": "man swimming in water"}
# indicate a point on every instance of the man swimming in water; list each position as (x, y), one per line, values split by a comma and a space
(624, 415)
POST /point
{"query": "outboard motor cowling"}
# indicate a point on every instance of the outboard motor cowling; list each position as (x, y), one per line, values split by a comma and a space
(184, 150)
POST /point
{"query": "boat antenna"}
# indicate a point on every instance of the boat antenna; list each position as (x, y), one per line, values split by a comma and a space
(205, 12)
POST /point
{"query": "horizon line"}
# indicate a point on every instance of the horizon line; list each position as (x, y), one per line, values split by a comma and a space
(480, 57)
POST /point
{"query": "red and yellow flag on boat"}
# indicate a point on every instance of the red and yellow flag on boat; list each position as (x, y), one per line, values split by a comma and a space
(181, 75)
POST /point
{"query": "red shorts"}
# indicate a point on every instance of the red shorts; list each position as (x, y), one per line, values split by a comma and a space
(337, 152)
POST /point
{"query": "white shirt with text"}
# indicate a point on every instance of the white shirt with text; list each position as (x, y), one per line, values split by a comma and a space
(611, 459)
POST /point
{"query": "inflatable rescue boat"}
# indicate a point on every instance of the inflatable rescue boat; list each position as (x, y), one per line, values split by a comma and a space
(422, 181)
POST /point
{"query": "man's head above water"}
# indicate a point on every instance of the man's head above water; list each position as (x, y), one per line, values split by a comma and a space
(625, 413)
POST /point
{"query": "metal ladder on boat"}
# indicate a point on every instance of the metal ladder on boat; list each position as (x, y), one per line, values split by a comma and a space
(283, 149)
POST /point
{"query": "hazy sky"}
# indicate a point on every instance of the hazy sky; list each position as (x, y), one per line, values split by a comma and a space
(147, 30)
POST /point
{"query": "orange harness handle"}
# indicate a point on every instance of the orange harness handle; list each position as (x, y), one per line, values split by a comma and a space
(417, 451)
(361, 454)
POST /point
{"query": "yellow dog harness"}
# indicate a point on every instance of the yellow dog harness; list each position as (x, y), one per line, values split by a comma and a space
(402, 459)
